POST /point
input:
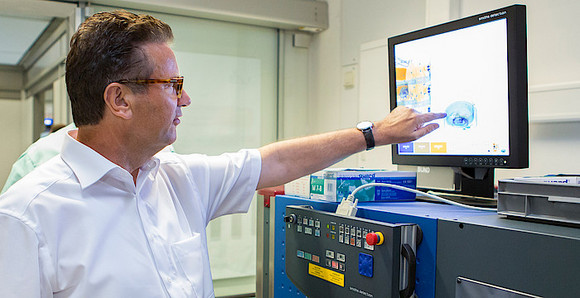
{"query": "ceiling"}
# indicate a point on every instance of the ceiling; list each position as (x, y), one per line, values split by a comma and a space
(23, 21)
(18, 35)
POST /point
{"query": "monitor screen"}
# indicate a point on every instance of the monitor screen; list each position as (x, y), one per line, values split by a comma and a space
(468, 82)
(463, 68)
(475, 70)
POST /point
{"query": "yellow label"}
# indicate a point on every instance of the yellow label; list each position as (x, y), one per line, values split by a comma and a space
(326, 274)
(439, 147)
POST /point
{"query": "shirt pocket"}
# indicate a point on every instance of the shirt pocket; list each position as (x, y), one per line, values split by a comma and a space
(189, 259)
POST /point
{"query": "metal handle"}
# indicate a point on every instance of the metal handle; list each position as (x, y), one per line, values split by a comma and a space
(409, 255)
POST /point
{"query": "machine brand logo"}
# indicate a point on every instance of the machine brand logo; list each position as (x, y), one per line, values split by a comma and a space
(359, 291)
(425, 170)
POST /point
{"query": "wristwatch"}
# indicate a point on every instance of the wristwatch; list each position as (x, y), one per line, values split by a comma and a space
(366, 127)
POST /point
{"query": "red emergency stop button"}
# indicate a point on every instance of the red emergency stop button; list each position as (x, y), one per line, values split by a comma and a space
(376, 238)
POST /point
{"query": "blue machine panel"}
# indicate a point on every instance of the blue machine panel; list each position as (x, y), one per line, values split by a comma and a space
(425, 215)
(283, 287)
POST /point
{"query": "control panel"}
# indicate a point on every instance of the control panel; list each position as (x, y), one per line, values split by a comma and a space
(330, 255)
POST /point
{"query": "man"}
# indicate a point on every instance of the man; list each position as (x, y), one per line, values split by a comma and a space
(110, 217)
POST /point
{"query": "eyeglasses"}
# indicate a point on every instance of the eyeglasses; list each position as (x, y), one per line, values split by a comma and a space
(177, 83)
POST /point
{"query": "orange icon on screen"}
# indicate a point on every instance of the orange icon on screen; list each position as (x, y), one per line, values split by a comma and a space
(439, 147)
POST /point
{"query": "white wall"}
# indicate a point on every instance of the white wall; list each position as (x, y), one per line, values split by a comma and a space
(334, 55)
(553, 54)
(12, 138)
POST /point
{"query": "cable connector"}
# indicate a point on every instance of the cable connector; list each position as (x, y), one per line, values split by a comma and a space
(347, 206)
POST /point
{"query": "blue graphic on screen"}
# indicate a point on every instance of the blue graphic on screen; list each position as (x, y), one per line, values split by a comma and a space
(406, 148)
(463, 73)
(461, 114)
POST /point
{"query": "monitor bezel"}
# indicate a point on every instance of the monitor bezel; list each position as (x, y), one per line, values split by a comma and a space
(517, 92)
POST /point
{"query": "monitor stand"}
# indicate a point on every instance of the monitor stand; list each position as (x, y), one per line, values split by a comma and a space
(478, 182)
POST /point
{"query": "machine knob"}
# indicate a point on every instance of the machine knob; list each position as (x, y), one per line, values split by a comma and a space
(290, 218)
(376, 238)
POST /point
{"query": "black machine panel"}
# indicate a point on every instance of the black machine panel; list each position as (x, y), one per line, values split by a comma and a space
(330, 255)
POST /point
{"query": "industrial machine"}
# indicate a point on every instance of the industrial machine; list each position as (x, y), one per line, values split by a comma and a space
(463, 253)
(340, 256)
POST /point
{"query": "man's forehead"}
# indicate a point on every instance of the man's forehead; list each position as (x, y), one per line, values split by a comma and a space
(162, 58)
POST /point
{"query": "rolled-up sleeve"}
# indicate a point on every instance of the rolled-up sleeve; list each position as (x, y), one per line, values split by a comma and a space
(228, 181)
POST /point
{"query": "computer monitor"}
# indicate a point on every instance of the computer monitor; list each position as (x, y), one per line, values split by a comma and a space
(475, 70)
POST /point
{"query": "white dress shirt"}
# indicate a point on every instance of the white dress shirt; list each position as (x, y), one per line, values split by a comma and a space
(79, 227)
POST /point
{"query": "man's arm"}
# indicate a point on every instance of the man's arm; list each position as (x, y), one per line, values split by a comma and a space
(20, 263)
(288, 160)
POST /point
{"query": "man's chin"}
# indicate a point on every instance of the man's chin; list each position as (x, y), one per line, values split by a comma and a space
(172, 139)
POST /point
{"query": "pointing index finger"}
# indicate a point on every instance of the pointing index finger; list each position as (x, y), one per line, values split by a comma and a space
(427, 117)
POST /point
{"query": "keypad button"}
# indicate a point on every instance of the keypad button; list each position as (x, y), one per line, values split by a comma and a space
(330, 254)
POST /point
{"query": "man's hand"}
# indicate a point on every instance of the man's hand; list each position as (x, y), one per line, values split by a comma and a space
(404, 125)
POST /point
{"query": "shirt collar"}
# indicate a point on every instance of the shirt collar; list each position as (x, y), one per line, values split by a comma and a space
(89, 166)
(150, 168)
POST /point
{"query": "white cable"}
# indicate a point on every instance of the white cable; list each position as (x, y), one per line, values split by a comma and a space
(351, 196)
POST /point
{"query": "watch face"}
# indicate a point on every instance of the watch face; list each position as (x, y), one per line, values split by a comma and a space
(364, 125)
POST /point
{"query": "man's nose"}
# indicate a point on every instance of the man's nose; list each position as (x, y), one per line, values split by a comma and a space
(185, 100)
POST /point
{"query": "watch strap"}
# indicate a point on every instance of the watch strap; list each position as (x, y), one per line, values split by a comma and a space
(369, 138)
(367, 133)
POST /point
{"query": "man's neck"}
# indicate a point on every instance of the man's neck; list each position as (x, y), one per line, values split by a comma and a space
(116, 146)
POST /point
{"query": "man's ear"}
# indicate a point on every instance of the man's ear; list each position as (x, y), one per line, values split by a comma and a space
(117, 98)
